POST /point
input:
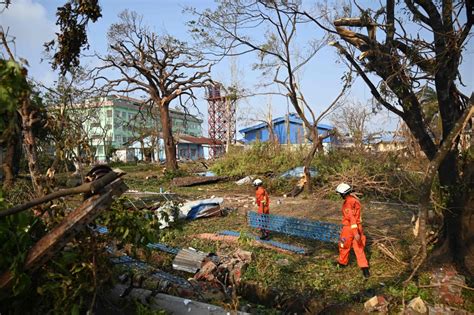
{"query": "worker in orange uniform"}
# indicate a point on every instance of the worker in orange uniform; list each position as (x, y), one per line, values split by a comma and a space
(352, 234)
(263, 203)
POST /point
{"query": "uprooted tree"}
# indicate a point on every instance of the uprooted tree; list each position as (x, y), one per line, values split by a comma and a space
(269, 29)
(407, 61)
(162, 67)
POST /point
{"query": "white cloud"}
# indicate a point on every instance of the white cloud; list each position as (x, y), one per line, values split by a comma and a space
(27, 22)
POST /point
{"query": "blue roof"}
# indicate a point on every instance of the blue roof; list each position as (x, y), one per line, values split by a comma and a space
(293, 118)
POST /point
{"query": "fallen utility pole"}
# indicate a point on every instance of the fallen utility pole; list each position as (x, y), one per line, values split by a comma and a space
(107, 188)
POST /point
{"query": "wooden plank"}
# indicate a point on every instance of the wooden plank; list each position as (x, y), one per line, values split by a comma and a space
(55, 240)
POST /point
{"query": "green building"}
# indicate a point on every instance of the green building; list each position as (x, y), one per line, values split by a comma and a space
(114, 122)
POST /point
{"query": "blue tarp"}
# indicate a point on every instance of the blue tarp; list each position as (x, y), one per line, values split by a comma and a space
(298, 172)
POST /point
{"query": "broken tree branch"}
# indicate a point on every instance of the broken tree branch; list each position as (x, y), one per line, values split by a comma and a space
(92, 187)
(54, 241)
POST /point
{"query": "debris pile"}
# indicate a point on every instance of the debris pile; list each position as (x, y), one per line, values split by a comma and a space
(376, 304)
(416, 306)
(189, 260)
(205, 208)
(227, 270)
(447, 285)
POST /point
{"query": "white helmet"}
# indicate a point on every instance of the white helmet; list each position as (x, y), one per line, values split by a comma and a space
(343, 188)
(257, 182)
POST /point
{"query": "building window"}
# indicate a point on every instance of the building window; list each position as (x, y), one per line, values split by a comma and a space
(118, 139)
(108, 126)
(95, 124)
(109, 113)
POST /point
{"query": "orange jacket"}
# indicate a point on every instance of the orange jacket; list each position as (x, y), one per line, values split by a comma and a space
(351, 214)
(262, 200)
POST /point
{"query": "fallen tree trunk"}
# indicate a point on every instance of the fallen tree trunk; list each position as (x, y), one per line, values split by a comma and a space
(196, 180)
(54, 241)
(92, 187)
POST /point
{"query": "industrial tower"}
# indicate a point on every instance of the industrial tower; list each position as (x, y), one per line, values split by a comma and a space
(222, 124)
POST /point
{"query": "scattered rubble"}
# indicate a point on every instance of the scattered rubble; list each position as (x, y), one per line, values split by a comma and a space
(227, 269)
(189, 260)
(447, 285)
(416, 306)
(376, 304)
(439, 309)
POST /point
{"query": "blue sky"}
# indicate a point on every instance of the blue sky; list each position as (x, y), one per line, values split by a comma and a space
(32, 22)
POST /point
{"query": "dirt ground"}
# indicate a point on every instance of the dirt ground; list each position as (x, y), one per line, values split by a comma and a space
(378, 218)
(288, 281)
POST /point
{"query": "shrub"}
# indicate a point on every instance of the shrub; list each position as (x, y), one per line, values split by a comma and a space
(381, 175)
(260, 158)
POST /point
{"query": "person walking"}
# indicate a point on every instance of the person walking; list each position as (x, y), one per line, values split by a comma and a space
(352, 235)
(263, 202)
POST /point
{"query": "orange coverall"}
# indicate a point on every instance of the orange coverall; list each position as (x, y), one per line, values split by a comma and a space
(262, 200)
(351, 221)
(263, 203)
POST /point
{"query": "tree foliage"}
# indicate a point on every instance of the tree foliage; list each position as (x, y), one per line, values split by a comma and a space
(73, 18)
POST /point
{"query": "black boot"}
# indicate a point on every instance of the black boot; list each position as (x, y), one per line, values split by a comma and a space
(365, 272)
(337, 264)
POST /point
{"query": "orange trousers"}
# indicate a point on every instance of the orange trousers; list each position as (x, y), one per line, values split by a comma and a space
(347, 241)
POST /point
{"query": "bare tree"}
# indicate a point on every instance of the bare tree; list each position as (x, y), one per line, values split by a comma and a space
(161, 66)
(407, 61)
(230, 30)
(352, 120)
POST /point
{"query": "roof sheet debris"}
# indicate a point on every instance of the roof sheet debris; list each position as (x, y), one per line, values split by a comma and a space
(292, 248)
(163, 248)
(190, 210)
(318, 230)
(140, 265)
(206, 174)
(244, 181)
(298, 172)
(200, 208)
(189, 260)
